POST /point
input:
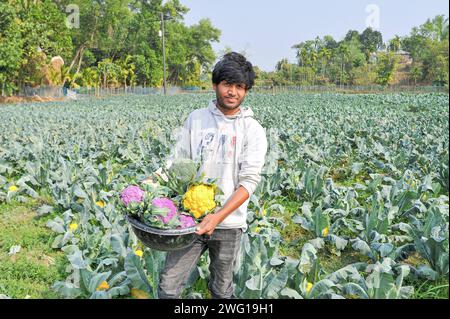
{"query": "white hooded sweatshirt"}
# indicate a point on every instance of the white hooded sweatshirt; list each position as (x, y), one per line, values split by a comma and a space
(231, 149)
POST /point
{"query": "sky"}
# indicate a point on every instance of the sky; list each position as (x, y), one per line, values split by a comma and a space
(267, 29)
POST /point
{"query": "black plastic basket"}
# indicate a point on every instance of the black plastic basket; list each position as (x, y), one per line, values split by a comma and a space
(163, 239)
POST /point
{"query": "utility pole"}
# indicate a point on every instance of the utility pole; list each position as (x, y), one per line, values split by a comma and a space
(164, 54)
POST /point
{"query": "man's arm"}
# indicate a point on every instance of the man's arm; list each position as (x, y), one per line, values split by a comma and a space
(253, 158)
(210, 221)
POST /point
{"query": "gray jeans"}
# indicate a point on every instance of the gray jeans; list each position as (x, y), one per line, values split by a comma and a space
(223, 248)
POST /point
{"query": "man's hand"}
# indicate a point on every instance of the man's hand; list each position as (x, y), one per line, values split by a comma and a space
(208, 224)
(210, 221)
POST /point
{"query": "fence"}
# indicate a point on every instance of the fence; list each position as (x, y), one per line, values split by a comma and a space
(56, 92)
(351, 89)
(59, 92)
(105, 92)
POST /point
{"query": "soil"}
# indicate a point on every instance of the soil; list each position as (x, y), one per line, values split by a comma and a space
(21, 99)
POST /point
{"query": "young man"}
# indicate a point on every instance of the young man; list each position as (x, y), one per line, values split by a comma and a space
(231, 147)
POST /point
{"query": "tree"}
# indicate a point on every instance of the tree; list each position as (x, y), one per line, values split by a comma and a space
(31, 33)
(306, 53)
(351, 35)
(109, 72)
(142, 73)
(201, 35)
(371, 41)
(435, 62)
(395, 44)
(286, 71)
(89, 31)
(11, 48)
(416, 73)
(112, 34)
(344, 54)
(386, 65)
(356, 59)
(435, 29)
(324, 57)
(90, 77)
(428, 46)
(363, 75)
(127, 74)
(329, 42)
(189, 50)
(189, 53)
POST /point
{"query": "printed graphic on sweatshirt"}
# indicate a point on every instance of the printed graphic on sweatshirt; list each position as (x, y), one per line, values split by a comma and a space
(224, 150)
(204, 150)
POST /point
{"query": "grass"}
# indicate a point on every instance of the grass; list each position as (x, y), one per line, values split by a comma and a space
(431, 289)
(331, 262)
(426, 289)
(294, 236)
(31, 272)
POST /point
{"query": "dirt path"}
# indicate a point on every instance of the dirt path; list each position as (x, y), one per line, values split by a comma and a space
(20, 99)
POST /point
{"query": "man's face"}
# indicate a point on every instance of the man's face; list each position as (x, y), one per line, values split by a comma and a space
(229, 96)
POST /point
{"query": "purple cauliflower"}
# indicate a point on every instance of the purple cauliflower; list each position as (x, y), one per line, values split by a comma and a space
(166, 203)
(186, 221)
(131, 194)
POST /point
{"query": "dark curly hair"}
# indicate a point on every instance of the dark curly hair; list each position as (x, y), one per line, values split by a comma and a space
(234, 68)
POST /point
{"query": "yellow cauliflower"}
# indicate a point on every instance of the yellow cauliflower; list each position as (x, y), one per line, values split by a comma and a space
(199, 199)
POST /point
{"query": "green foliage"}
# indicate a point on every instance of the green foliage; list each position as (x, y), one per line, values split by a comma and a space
(431, 241)
(360, 59)
(389, 203)
(109, 72)
(387, 63)
(116, 46)
(428, 45)
(30, 35)
(112, 46)
(11, 50)
(371, 41)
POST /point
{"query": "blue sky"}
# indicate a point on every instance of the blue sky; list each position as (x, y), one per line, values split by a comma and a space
(267, 29)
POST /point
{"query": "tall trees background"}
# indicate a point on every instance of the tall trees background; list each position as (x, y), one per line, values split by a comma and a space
(118, 43)
(365, 59)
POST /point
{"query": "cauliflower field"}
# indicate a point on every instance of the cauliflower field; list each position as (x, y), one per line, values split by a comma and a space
(353, 201)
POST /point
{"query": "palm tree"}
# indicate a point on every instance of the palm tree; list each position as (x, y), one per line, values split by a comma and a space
(436, 29)
(344, 53)
(324, 57)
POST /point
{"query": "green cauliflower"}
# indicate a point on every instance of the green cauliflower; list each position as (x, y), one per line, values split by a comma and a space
(181, 173)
